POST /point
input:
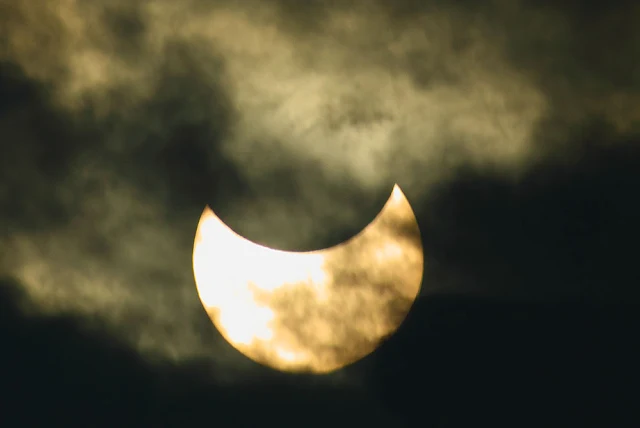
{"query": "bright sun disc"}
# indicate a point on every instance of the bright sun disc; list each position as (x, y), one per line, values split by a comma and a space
(314, 311)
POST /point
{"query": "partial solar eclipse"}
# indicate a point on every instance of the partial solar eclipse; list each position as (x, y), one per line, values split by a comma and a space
(314, 311)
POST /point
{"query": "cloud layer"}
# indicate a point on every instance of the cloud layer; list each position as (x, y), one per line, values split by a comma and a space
(123, 120)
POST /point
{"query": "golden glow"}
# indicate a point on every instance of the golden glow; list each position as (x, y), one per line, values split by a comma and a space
(313, 311)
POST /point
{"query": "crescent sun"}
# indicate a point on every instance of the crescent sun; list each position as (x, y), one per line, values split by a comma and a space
(314, 311)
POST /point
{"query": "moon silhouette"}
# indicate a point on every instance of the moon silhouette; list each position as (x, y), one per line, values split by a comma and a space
(314, 311)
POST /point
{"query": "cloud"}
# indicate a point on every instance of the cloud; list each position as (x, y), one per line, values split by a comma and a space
(560, 232)
(350, 95)
(77, 370)
(123, 120)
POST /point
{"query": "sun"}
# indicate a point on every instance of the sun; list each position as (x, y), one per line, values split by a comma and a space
(314, 311)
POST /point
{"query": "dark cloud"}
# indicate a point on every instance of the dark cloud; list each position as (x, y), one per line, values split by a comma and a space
(454, 361)
(125, 24)
(38, 143)
(67, 177)
(576, 52)
(115, 135)
(564, 229)
(169, 146)
(464, 361)
(582, 54)
(76, 372)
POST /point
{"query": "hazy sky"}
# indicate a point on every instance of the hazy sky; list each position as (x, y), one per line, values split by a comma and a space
(502, 121)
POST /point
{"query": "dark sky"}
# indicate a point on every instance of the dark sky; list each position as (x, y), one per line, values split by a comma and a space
(513, 127)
